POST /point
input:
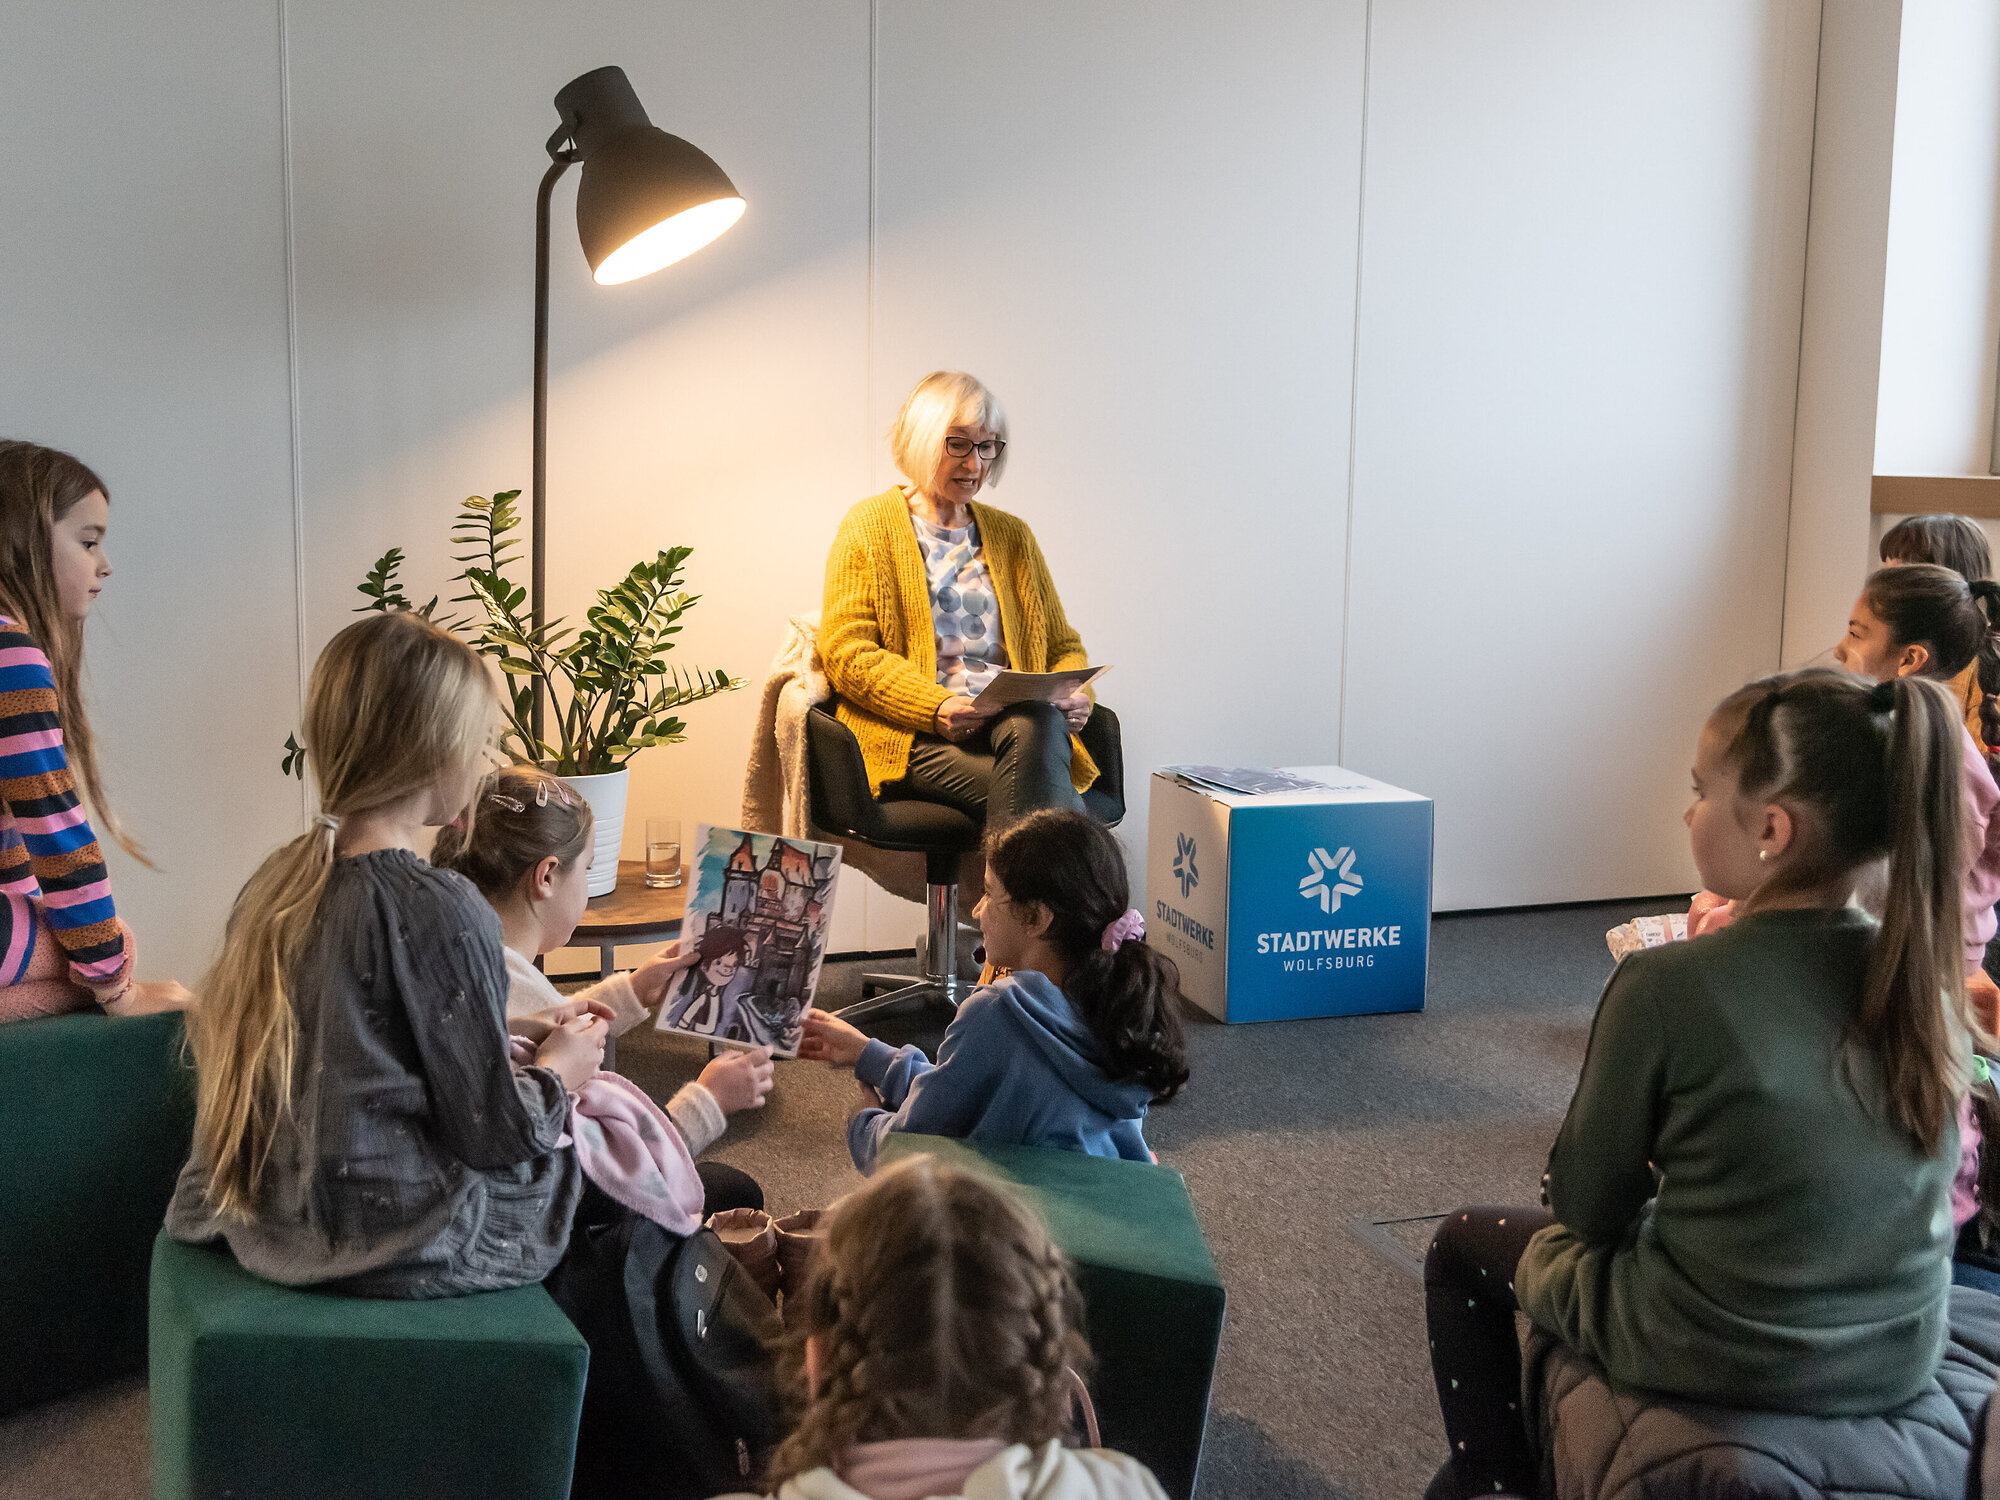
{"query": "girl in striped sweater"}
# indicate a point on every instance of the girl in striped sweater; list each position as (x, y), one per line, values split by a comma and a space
(62, 947)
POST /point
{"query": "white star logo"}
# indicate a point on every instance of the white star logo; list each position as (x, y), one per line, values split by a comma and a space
(1339, 865)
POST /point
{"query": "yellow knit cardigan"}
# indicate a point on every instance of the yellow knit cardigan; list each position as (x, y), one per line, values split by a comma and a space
(879, 644)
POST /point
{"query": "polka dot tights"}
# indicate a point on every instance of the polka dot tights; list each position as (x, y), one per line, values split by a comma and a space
(1475, 1355)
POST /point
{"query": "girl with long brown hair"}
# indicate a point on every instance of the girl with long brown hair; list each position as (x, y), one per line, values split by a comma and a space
(1749, 1198)
(62, 945)
(935, 1351)
(358, 1120)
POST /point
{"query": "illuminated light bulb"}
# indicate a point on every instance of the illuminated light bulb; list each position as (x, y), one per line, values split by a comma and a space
(669, 240)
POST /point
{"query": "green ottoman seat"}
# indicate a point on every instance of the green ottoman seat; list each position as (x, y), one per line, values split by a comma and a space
(260, 1389)
(1152, 1300)
(98, 1112)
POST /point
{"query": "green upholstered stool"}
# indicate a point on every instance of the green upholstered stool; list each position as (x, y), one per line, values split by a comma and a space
(265, 1390)
(1152, 1300)
(96, 1113)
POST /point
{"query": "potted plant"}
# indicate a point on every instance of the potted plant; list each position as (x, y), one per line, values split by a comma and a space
(611, 692)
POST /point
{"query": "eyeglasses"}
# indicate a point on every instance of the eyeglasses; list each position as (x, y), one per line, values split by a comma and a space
(959, 447)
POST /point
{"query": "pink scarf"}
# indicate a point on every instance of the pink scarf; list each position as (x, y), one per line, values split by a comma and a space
(629, 1148)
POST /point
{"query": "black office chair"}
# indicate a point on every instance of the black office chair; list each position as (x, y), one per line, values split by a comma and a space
(838, 788)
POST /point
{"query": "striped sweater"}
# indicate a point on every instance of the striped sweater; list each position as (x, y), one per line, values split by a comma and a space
(50, 864)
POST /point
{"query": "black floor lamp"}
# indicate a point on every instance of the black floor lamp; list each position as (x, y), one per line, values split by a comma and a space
(645, 200)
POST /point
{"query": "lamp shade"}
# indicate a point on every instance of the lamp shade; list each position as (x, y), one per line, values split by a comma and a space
(646, 198)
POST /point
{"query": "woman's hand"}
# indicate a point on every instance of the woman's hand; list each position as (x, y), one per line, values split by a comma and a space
(959, 719)
(534, 1029)
(869, 1099)
(146, 997)
(739, 1080)
(574, 1051)
(829, 1039)
(649, 980)
(1076, 708)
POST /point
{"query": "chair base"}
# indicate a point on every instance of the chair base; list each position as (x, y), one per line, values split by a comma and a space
(941, 979)
(901, 989)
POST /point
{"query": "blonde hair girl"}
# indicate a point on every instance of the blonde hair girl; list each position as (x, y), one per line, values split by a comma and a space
(935, 1343)
(357, 1118)
(55, 954)
(1750, 1196)
(526, 852)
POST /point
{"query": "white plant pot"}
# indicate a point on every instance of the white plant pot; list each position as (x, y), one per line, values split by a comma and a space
(606, 796)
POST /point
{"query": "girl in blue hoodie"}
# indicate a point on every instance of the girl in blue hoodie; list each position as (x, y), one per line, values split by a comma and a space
(1071, 1048)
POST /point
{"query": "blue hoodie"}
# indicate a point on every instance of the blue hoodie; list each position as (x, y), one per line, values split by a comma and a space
(1018, 1066)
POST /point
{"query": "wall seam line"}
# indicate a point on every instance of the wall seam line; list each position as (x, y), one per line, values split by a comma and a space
(292, 372)
(1799, 366)
(1354, 384)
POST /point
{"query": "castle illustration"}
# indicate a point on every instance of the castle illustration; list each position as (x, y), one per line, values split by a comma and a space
(780, 908)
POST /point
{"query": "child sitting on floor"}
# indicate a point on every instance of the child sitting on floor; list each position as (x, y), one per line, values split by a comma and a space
(1070, 1048)
(1750, 1192)
(526, 854)
(936, 1345)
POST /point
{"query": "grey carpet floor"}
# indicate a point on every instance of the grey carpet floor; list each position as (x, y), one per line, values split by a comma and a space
(1290, 1134)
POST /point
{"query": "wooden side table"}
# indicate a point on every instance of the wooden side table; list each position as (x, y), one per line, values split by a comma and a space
(633, 913)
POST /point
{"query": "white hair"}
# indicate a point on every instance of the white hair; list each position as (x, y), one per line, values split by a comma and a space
(941, 400)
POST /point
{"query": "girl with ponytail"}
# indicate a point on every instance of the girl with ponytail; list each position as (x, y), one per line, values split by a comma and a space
(934, 1351)
(1067, 1050)
(1749, 1198)
(358, 1121)
(1958, 543)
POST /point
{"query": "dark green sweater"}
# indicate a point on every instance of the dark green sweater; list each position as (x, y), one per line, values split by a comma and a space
(1795, 1254)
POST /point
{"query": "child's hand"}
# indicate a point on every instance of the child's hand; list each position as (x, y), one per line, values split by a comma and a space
(574, 1051)
(534, 1029)
(869, 1099)
(144, 997)
(739, 1080)
(831, 1040)
(649, 980)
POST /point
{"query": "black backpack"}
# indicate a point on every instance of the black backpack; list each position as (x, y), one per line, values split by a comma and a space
(682, 1400)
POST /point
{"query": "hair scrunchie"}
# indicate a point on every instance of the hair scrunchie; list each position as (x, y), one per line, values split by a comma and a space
(1123, 930)
(1883, 699)
(327, 821)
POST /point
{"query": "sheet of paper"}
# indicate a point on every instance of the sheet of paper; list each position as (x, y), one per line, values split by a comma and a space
(1010, 688)
(1250, 780)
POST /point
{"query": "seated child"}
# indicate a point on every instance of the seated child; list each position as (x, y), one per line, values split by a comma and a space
(359, 1122)
(1070, 1048)
(1958, 543)
(527, 855)
(935, 1343)
(1750, 1194)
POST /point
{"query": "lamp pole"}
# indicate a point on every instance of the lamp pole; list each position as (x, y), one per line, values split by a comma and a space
(562, 154)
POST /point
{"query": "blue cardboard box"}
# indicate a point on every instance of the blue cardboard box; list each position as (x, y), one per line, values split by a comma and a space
(1283, 905)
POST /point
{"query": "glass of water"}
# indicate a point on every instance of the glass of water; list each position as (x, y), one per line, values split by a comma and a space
(663, 853)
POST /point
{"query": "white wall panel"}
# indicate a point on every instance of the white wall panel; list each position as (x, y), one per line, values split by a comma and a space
(1136, 224)
(143, 309)
(1578, 334)
(717, 404)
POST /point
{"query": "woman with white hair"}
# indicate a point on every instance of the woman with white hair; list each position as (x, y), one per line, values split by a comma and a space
(929, 594)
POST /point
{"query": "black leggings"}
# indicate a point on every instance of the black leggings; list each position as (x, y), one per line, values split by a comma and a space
(1475, 1355)
(1017, 764)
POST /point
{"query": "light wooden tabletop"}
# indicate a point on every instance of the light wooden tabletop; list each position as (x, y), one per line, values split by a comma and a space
(634, 909)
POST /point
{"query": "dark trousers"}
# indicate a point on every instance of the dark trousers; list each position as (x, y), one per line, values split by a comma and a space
(1016, 765)
(1469, 1311)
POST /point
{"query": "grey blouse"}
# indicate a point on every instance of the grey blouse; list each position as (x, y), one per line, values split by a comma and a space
(416, 1161)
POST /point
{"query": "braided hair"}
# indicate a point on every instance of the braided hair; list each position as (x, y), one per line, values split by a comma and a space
(938, 1307)
(1129, 995)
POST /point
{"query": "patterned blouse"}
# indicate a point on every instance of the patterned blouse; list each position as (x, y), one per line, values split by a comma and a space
(416, 1161)
(49, 859)
(963, 607)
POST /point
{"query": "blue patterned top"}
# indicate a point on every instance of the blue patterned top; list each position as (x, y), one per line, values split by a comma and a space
(963, 607)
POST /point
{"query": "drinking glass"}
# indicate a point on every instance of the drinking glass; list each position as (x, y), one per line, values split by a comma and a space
(663, 853)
